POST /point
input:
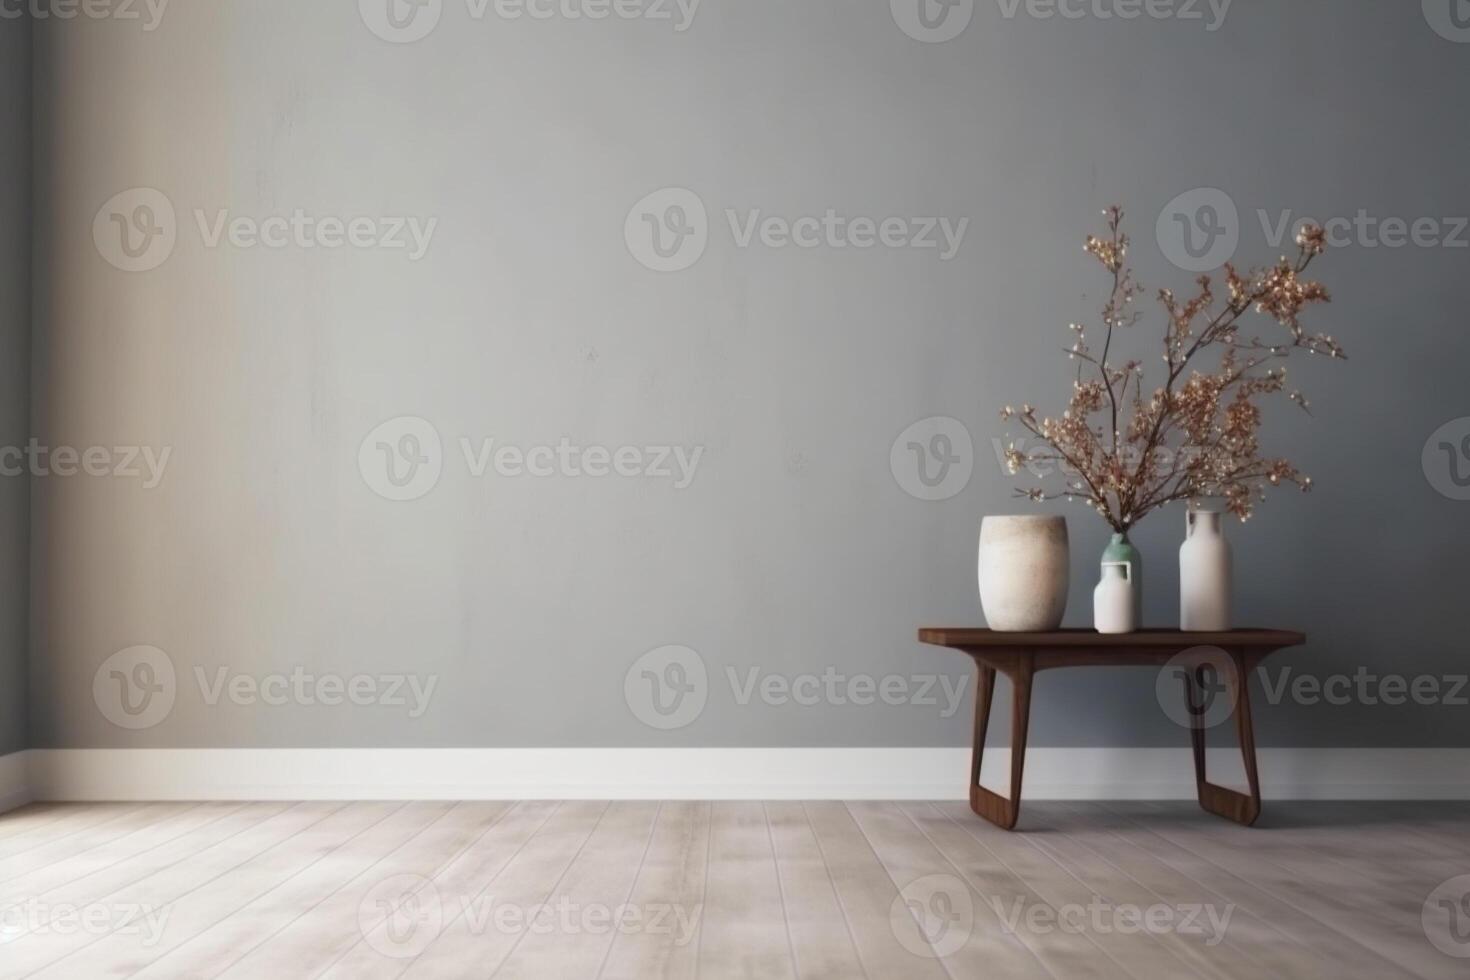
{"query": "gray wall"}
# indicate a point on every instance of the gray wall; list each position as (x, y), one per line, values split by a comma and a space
(795, 549)
(15, 369)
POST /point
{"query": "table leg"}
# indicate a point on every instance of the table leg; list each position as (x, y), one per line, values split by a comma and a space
(993, 807)
(984, 692)
(1223, 802)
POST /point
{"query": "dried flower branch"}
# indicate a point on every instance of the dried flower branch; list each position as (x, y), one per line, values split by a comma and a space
(1196, 436)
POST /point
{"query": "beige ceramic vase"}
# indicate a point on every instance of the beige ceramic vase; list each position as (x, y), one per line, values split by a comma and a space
(1024, 570)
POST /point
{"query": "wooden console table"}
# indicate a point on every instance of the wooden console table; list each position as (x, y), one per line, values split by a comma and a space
(1020, 655)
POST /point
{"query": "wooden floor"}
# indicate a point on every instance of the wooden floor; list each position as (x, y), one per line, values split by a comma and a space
(644, 890)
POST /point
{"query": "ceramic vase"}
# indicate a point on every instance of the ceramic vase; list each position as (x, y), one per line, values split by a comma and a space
(1204, 574)
(1023, 571)
(1114, 605)
(1120, 549)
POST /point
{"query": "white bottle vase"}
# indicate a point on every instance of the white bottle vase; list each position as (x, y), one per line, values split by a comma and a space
(1023, 569)
(1204, 574)
(1114, 601)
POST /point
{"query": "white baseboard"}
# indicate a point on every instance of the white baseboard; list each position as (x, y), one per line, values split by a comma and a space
(15, 789)
(834, 773)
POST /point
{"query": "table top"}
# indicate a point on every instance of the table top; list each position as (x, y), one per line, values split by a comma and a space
(969, 636)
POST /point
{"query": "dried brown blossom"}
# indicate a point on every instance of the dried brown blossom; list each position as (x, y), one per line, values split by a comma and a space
(1196, 436)
(1312, 238)
(1110, 251)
